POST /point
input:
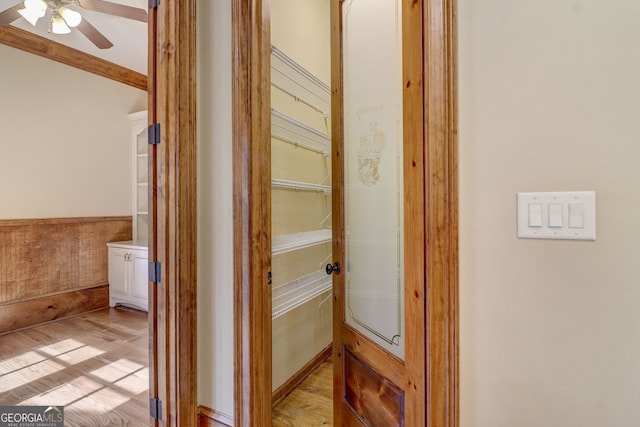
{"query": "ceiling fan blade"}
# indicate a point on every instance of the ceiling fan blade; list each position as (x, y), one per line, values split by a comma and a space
(11, 14)
(116, 9)
(95, 36)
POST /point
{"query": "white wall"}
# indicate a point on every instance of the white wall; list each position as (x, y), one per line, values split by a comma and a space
(215, 208)
(549, 100)
(65, 149)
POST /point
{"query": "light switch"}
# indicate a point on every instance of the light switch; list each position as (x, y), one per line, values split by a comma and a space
(555, 215)
(567, 215)
(576, 215)
(535, 214)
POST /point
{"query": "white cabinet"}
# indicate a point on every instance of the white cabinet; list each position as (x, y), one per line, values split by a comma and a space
(129, 274)
(139, 135)
(129, 261)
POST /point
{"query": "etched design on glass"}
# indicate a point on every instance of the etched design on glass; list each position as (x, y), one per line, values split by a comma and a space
(373, 171)
(371, 145)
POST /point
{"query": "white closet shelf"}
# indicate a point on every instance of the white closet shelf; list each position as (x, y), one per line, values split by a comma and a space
(293, 294)
(294, 132)
(293, 242)
(290, 77)
(301, 186)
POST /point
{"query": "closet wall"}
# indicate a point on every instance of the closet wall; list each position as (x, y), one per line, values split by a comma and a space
(301, 214)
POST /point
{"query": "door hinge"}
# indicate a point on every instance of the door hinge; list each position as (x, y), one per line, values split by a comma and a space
(269, 278)
(155, 408)
(154, 134)
(155, 270)
(153, 4)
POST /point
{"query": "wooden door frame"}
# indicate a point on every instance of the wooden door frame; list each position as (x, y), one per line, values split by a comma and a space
(251, 104)
(172, 211)
(172, 103)
(251, 117)
(441, 207)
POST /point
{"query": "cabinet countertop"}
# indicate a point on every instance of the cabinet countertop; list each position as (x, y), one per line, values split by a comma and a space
(129, 244)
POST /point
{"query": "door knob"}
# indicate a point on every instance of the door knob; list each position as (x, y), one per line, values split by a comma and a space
(333, 268)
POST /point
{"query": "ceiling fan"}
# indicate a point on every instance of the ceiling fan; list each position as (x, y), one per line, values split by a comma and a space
(62, 17)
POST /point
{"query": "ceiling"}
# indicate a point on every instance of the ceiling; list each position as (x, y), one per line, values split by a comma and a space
(129, 37)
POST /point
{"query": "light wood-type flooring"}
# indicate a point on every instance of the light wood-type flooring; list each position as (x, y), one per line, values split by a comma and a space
(95, 365)
(310, 404)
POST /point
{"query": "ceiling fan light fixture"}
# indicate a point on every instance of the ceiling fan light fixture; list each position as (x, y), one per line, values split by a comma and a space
(71, 17)
(30, 16)
(33, 10)
(38, 7)
(58, 26)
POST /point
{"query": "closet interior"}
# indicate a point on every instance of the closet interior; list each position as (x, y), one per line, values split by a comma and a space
(301, 186)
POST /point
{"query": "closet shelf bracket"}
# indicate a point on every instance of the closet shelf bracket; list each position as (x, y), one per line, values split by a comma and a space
(293, 294)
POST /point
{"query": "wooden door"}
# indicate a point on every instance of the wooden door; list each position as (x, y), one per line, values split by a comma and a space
(395, 258)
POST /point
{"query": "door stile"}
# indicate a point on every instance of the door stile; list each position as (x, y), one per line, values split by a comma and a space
(337, 206)
(155, 380)
(414, 212)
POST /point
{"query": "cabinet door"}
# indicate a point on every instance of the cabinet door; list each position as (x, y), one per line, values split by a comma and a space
(139, 274)
(118, 271)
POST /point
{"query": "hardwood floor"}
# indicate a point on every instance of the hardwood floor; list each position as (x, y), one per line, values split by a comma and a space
(310, 404)
(95, 365)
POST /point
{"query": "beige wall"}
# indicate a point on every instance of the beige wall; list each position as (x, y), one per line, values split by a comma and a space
(215, 208)
(549, 101)
(300, 28)
(65, 149)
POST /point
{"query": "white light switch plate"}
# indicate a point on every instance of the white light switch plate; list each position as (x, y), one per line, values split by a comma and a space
(577, 220)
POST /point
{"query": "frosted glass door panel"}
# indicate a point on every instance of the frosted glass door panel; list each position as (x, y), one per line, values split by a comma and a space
(373, 183)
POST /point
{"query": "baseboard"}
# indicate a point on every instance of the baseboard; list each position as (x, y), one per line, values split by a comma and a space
(208, 417)
(285, 389)
(32, 312)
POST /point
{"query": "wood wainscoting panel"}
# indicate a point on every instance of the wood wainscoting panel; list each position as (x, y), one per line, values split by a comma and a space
(42, 258)
(373, 398)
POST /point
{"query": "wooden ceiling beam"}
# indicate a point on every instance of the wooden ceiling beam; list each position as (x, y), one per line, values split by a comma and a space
(29, 42)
